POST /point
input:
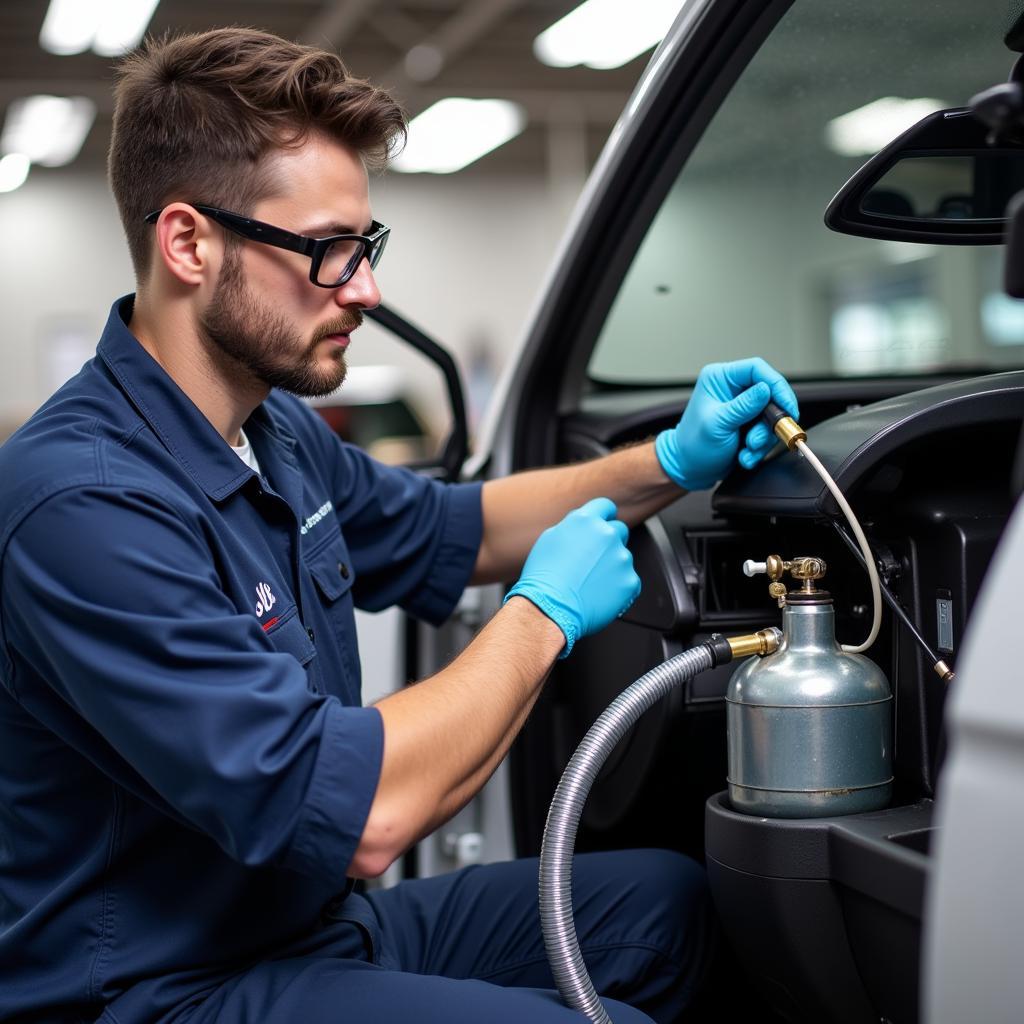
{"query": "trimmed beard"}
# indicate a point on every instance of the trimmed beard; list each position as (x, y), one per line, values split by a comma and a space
(248, 338)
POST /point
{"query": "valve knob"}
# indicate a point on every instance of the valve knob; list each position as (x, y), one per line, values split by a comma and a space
(773, 565)
(806, 569)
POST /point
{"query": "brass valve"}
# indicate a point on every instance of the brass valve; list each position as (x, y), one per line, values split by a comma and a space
(805, 568)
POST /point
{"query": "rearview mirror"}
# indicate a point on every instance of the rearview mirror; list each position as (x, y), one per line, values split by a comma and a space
(940, 181)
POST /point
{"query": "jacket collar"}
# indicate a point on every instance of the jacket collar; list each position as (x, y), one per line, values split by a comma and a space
(184, 431)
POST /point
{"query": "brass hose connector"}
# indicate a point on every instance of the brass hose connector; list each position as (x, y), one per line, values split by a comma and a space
(786, 429)
(764, 641)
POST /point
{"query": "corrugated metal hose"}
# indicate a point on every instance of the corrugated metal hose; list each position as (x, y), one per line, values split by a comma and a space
(560, 941)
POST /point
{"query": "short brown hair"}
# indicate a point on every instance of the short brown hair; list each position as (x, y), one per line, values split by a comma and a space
(196, 114)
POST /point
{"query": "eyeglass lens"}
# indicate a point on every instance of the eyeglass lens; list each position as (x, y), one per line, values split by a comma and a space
(342, 258)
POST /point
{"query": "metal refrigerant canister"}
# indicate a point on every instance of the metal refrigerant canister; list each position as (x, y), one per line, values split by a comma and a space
(810, 726)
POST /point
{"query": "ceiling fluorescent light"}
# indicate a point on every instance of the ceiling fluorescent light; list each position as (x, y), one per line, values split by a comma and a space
(606, 33)
(110, 27)
(122, 26)
(69, 26)
(13, 171)
(455, 131)
(49, 130)
(868, 129)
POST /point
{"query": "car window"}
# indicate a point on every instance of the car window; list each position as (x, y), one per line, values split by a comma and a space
(738, 260)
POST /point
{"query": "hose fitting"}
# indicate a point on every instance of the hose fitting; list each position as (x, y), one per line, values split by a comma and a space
(764, 641)
(723, 649)
(786, 429)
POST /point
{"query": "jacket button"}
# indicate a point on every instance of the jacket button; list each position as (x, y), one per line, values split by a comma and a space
(343, 569)
(311, 634)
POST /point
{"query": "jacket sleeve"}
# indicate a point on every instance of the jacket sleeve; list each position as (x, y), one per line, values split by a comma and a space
(113, 616)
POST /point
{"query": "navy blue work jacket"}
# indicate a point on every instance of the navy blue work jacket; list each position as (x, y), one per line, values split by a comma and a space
(185, 770)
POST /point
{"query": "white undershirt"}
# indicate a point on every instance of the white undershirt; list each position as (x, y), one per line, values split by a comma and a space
(245, 453)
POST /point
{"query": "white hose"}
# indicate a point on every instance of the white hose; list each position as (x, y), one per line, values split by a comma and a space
(869, 560)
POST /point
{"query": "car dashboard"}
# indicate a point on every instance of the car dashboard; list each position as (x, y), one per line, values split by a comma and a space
(823, 913)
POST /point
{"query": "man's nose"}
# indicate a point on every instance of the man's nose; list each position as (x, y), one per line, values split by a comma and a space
(360, 289)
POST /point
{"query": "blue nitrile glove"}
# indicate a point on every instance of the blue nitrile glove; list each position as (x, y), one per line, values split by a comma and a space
(699, 450)
(579, 573)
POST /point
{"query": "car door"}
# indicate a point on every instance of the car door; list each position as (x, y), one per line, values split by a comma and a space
(700, 237)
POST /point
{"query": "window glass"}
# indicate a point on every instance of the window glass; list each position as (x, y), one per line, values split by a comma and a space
(738, 260)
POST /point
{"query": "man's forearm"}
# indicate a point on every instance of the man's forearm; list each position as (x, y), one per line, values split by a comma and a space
(516, 509)
(444, 737)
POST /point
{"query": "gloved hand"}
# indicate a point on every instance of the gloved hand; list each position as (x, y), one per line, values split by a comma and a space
(700, 449)
(579, 573)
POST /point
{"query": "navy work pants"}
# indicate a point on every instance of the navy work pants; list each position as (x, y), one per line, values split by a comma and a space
(466, 948)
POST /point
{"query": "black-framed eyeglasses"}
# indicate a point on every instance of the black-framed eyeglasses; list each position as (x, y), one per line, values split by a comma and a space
(334, 258)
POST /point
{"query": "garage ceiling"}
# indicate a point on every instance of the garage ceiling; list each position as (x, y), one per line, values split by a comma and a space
(485, 48)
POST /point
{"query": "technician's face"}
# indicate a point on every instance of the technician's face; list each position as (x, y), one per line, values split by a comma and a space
(266, 319)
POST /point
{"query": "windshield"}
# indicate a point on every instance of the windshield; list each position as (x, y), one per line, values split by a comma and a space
(738, 260)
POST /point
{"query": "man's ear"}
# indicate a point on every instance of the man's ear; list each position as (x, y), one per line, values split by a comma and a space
(186, 244)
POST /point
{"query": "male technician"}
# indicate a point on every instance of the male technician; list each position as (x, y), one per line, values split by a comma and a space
(188, 783)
